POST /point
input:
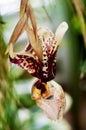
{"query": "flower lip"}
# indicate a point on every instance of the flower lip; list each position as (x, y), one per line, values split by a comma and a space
(39, 90)
(54, 105)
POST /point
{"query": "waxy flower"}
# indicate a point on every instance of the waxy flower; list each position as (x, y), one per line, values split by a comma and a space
(39, 59)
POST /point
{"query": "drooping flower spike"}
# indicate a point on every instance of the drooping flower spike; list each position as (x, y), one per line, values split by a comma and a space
(39, 59)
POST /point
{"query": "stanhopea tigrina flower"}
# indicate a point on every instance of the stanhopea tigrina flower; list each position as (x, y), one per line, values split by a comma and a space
(39, 59)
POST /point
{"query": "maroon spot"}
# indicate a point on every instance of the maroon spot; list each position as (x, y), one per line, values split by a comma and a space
(28, 47)
(24, 64)
(20, 56)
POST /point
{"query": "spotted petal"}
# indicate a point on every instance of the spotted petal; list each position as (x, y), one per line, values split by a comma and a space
(28, 63)
(50, 43)
(47, 39)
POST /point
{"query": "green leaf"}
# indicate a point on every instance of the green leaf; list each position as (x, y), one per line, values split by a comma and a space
(26, 101)
(83, 69)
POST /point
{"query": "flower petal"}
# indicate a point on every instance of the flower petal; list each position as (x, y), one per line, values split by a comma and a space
(17, 32)
(23, 7)
(48, 59)
(36, 45)
(47, 39)
(62, 28)
(54, 105)
(28, 63)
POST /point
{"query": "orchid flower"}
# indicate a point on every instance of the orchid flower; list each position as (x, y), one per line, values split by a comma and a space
(39, 59)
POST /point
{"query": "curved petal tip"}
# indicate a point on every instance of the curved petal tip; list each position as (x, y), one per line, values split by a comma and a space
(61, 30)
(64, 25)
